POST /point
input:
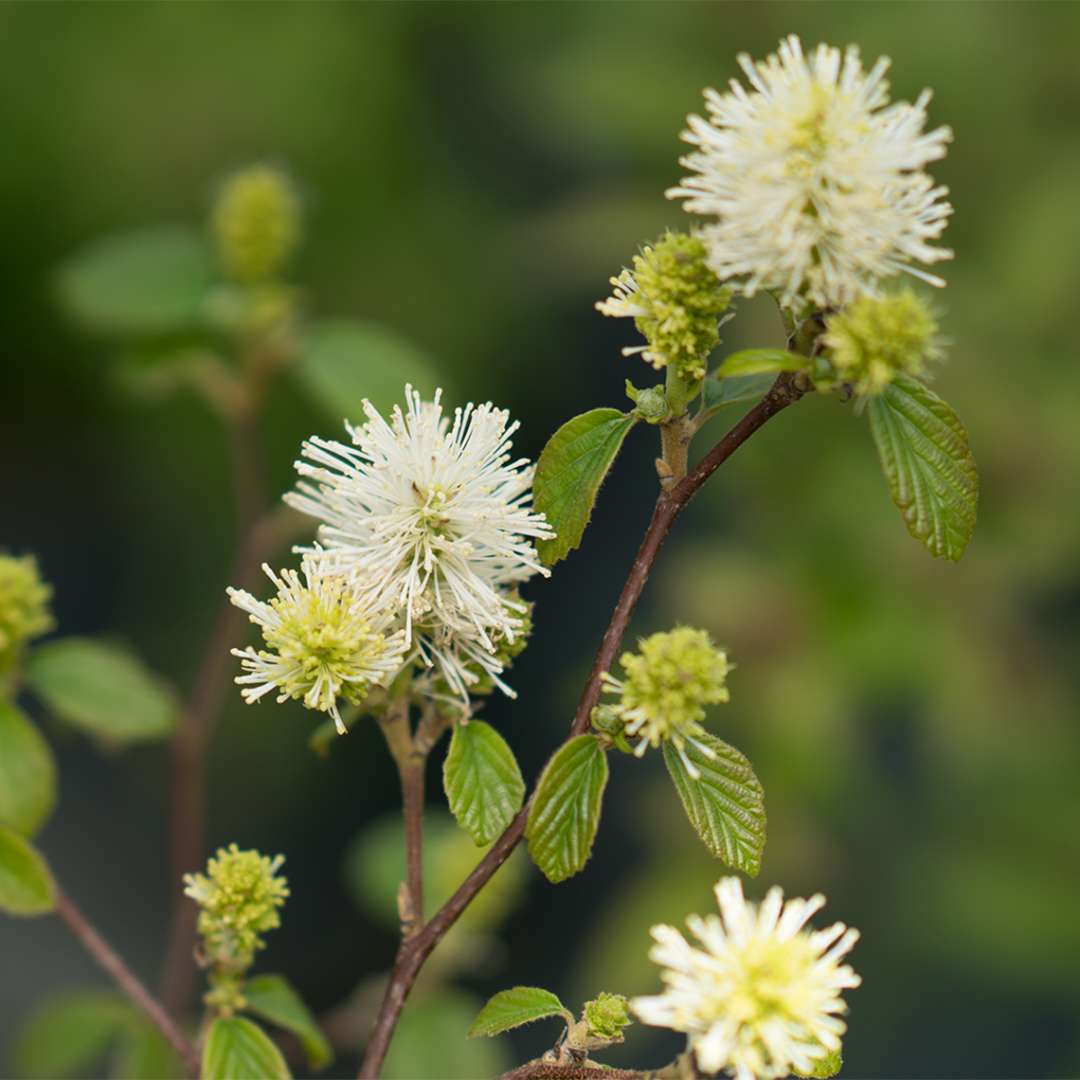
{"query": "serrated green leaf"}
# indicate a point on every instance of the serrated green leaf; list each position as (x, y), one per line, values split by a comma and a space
(143, 1052)
(565, 810)
(342, 362)
(101, 689)
(149, 282)
(725, 802)
(70, 1034)
(928, 464)
(569, 474)
(718, 394)
(273, 998)
(27, 773)
(512, 1008)
(483, 783)
(761, 361)
(236, 1049)
(26, 886)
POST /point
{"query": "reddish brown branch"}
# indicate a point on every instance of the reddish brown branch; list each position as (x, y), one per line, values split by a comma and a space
(414, 952)
(543, 1070)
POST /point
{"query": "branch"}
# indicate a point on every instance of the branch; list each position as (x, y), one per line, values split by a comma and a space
(414, 952)
(103, 953)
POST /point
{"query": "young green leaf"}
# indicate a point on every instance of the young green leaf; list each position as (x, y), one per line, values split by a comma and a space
(520, 1005)
(565, 811)
(724, 802)
(143, 1051)
(236, 1049)
(27, 773)
(272, 998)
(717, 394)
(101, 689)
(928, 463)
(760, 361)
(26, 886)
(70, 1034)
(483, 783)
(569, 474)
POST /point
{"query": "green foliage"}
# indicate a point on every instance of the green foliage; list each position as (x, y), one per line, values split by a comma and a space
(26, 886)
(569, 474)
(520, 1005)
(761, 362)
(236, 1049)
(606, 1015)
(102, 689)
(565, 811)
(717, 394)
(151, 282)
(70, 1034)
(928, 463)
(272, 998)
(144, 1052)
(27, 773)
(725, 802)
(482, 779)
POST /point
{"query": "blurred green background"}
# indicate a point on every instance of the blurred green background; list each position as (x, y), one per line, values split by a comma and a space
(472, 175)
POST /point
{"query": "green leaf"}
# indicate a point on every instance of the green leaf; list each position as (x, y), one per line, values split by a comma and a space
(569, 474)
(760, 361)
(27, 773)
(928, 463)
(101, 689)
(512, 1008)
(144, 1052)
(70, 1034)
(483, 783)
(725, 802)
(26, 886)
(565, 811)
(272, 998)
(236, 1049)
(718, 394)
(144, 283)
(342, 362)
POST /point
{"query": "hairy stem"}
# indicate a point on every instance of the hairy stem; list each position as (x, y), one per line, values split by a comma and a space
(669, 505)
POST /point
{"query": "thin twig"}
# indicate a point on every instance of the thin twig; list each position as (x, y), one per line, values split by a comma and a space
(414, 952)
(104, 954)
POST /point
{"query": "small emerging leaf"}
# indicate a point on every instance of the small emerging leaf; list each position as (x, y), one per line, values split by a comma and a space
(565, 811)
(512, 1008)
(760, 361)
(273, 998)
(26, 886)
(483, 783)
(27, 773)
(928, 463)
(70, 1034)
(569, 474)
(725, 802)
(718, 394)
(236, 1049)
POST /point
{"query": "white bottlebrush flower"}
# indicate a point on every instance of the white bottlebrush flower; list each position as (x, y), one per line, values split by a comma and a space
(761, 996)
(816, 182)
(324, 640)
(435, 515)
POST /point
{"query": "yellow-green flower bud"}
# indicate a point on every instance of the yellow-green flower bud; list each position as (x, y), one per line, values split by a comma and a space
(606, 1016)
(256, 223)
(24, 605)
(876, 338)
(675, 301)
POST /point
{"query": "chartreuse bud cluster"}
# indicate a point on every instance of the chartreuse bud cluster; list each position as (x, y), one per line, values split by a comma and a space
(239, 896)
(24, 605)
(876, 338)
(675, 301)
(666, 687)
(256, 223)
(606, 1015)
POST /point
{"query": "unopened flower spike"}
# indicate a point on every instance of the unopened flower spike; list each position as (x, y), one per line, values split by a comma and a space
(759, 993)
(816, 183)
(24, 605)
(666, 686)
(256, 223)
(325, 639)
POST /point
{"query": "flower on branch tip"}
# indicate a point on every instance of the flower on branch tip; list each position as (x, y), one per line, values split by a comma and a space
(324, 637)
(256, 223)
(675, 300)
(435, 516)
(759, 995)
(876, 338)
(24, 604)
(665, 689)
(816, 183)
(606, 1015)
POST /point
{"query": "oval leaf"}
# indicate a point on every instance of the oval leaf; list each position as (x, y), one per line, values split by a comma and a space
(101, 689)
(759, 361)
(483, 783)
(26, 886)
(236, 1049)
(718, 394)
(70, 1034)
(928, 464)
(148, 282)
(273, 998)
(569, 474)
(27, 773)
(512, 1008)
(565, 811)
(724, 802)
